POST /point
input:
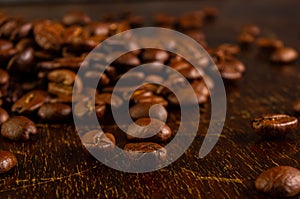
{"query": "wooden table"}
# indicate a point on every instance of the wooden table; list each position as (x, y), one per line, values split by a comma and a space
(54, 164)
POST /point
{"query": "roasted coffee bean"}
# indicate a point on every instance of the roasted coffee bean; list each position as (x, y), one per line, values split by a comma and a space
(3, 116)
(61, 82)
(230, 49)
(7, 161)
(22, 31)
(296, 106)
(164, 20)
(55, 112)
(245, 38)
(154, 78)
(192, 20)
(231, 69)
(6, 55)
(13, 92)
(98, 28)
(280, 181)
(73, 63)
(18, 128)
(97, 139)
(24, 43)
(196, 35)
(31, 101)
(128, 60)
(49, 35)
(152, 151)
(75, 17)
(132, 78)
(5, 45)
(9, 26)
(110, 99)
(210, 12)
(269, 44)
(142, 110)
(86, 109)
(144, 132)
(284, 55)
(151, 99)
(274, 125)
(151, 55)
(251, 29)
(4, 77)
(21, 63)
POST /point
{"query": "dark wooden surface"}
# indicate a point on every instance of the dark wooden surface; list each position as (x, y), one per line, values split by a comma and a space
(53, 164)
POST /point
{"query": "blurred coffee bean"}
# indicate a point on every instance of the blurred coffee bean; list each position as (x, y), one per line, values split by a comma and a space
(128, 60)
(210, 12)
(132, 78)
(151, 99)
(151, 55)
(55, 112)
(284, 55)
(231, 69)
(245, 38)
(30, 102)
(4, 77)
(73, 63)
(98, 28)
(7, 161)
(98, 140)
(274, 125)
(110, 99)
(192, 20)
(141, 131)
(141, 110)
(164, 20)
(9, 26)
(83, 109)
(75, 18)
(49, 35)
(230, 49)
(3, 116)
(251, 29)
(22, 31)
(18, 128)
(5, 45)
(269, 44)
(296, 106)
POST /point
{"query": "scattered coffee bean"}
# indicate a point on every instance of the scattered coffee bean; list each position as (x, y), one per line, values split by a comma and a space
(268, 44)
(141, 131)
(18, 128)
(73, 18)
(136, 151)
(55, 112)
(98, 140)
(252, 29)
(280, 181)
(141, 110)
(30, 101)
(296, 106)
(284, 55)
(7, 161)
(274, 125)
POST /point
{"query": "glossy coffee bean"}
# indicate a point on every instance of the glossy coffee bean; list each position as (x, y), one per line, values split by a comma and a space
(132, 78)
(245, 38)
(141, 110)
(128, 60)
(49, 35)
(141, 131)
(136, 151)
(4, 77)
(231, 69)
(3, 116)
(150, 55)
(230, 49)
(284, 55)
(151, 99)
(7, 161)
(280, 181)
(97, 139)
(22, 62)
(110, 99)
(30, 102)
(18, 128)
(274, 125)
(252, 29)
(5, 45)
(55, 112)
(75, 17)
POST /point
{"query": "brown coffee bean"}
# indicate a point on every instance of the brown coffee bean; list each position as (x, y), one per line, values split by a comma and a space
(251, 29)
(274, 125)
(230, 49)
(110, 99)
(85, 109)
(5, 45)
(231, 69)
(210, 12)
(18, 128)
(284, 55)
(55, 112)
(4, 77)
(269, 44)
(22, 31)
(30, 102)
(296, 106)
(75, 17)
(142, 132)
(3, 116)
(192, 20)
(49, 35)
(133, 78)
(136, 151)
(151, 99)
(164, 20)
(280, 181)
(151, 55)
(73, 63)
(7, 161)
(98, 28)
(97, 139)
(21, 63)
(142, 110)
(128, 60)
(245, 38)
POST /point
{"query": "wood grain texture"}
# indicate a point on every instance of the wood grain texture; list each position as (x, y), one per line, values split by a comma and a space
(54, 165)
